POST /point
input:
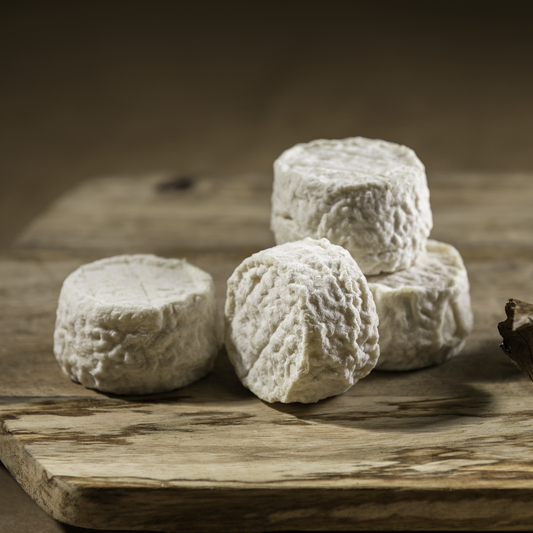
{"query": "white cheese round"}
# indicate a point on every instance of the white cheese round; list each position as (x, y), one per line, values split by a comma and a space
(137, 324)
(301, 324)
(424, 311)
(369, 196)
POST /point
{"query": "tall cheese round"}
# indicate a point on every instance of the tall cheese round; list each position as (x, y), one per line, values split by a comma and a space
(424, 311)
(137, 324)
(301, 324)
(368, 196)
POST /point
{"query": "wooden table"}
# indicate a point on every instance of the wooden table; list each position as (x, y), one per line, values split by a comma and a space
(449, 447)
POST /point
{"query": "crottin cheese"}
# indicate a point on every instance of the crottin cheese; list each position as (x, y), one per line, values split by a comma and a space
(424, 311)
(369, 196)
(300, 320)
(136, 324)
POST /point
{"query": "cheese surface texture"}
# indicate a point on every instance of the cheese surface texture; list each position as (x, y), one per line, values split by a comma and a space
(369, 196)
(136, 324)
(424, 311)
(300, 320)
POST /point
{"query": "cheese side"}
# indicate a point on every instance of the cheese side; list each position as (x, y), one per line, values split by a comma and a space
(368, 196)
(424, 311)
(300, 322)
(137, 324)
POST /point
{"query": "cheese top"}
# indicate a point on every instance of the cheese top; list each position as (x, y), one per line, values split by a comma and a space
(354, 159)
(138, 281)
(439, 268)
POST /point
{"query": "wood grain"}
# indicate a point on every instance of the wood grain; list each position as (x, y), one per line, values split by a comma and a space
(447, 447)
(484, 215)
(121, 214)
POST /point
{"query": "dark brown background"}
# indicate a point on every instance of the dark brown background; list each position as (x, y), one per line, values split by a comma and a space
(129, 87)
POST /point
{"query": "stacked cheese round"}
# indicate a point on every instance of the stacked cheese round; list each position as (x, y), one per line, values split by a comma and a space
(424, 311)
(372, 198)
(137, 324)
(301, 324)
(369, 196)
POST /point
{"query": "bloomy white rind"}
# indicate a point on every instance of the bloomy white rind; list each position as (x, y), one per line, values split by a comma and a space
(300, 322)
(131, 347)
(369, 196)
(424, 311)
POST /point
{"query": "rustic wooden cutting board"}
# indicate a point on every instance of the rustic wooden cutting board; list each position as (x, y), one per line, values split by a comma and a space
(449, 447)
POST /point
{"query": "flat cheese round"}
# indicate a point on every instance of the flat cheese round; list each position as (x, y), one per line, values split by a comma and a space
(137, 324)
(369, 196)
(424, 311)
(301, 324)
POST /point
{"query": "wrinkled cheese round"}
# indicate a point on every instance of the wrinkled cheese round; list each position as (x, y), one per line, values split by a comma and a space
(424, 311)
(369, 196)
(301, 324)
(137, 324)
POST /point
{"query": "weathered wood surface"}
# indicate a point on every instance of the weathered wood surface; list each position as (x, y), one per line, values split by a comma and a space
(481, 214)
(118, 214)
(449, 447)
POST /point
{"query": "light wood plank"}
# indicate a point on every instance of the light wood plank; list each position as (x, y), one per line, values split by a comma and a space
(483, 215)
(122, 214)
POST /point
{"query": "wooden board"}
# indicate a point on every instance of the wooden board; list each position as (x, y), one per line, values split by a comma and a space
(449, 447)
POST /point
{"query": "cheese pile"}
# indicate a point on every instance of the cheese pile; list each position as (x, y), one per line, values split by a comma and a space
(372, 198)
(353, 284)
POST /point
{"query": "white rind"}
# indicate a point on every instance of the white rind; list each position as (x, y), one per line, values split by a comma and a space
(369, 196)
(137, 324)
(424, 311)
(301, 324)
